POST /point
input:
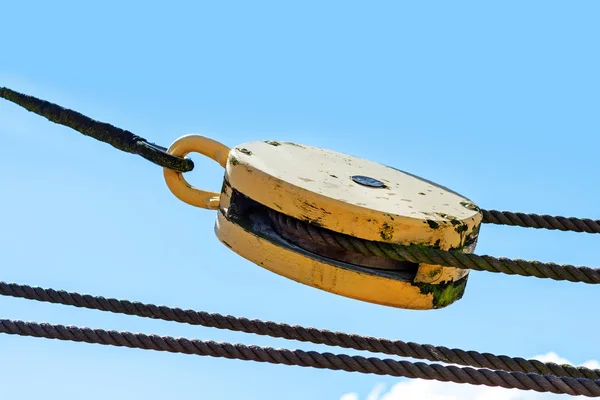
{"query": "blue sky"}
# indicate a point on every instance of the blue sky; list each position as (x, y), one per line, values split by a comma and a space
(496, 100)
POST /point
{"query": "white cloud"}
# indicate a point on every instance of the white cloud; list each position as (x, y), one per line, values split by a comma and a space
(552, 357)
(376, 392)
(592, 364)
(419, 389)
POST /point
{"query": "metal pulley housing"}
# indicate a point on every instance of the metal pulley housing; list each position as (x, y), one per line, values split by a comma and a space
(320, 218)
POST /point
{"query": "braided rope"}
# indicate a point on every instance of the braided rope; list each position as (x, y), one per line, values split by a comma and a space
(371, 365)
(541, 221)
(428, 255)
(298, 333)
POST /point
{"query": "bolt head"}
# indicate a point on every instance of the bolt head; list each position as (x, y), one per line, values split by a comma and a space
(367, 181)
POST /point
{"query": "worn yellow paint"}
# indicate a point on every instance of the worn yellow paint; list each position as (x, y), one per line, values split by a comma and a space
(177, 183)
(315, 185)
(357, 283)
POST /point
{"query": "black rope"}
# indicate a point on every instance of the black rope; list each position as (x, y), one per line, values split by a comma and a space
(117, 137)
(433, 256)
(299, 333)
(541, 221)
(128, 142)
(371, 365)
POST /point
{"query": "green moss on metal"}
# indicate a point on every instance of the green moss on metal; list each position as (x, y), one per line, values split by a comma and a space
(434, 272)
(444, 294)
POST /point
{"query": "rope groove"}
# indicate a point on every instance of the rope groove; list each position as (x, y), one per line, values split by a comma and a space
(501, 371)
(371, 365)
(429, 255)
(298, 333)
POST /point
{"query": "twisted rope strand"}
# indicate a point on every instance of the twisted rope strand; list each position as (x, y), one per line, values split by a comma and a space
(429, 255)
(508, 380)
(127, 141)
(541, 221)
(298, 333)
(118, 138)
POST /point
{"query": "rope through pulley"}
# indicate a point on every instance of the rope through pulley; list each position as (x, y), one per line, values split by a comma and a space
(307, 224)
(295, 225)
(380, 251)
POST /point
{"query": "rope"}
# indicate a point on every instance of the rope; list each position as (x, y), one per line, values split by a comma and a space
(128, 142)
(508, 380)
(298, 333)
(117, 137)
(541, 221)
(428, 255)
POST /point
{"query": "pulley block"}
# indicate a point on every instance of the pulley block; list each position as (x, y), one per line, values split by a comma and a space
(320, 218)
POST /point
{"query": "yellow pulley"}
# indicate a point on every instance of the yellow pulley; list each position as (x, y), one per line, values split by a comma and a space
(317, 216)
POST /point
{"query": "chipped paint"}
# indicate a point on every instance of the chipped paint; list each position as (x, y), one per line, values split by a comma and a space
(386, 232)
(298, 181)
